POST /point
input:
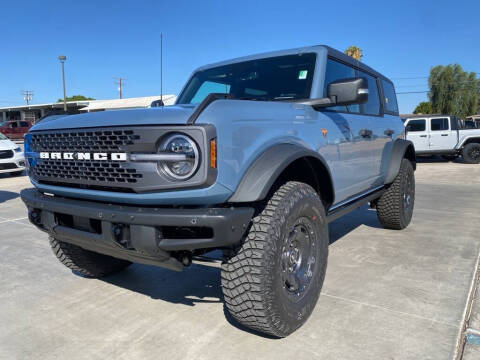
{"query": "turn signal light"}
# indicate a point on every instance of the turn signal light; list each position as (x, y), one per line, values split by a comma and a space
(213, 153)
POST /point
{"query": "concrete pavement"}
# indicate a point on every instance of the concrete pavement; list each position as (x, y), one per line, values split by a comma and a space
(387, 294)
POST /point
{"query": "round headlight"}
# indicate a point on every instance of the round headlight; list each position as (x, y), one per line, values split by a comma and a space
(179, 144)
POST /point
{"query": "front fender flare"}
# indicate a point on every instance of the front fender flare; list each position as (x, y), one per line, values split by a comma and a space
(262, 174)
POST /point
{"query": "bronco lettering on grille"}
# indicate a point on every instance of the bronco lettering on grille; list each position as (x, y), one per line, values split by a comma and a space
(84, 156)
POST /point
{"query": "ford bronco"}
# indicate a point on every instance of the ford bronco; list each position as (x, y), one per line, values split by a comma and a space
(256, 157)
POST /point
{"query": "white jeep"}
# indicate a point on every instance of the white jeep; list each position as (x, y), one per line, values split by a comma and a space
(443, 135)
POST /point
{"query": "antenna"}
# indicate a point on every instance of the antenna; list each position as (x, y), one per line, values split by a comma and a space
(161, 67)
(27, 95)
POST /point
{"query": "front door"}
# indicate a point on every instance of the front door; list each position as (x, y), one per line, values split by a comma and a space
(418, 134)
(442, 137)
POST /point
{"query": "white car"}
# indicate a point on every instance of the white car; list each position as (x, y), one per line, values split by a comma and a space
(12, 159)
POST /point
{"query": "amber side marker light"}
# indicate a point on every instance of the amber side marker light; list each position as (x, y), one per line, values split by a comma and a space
(213, 153)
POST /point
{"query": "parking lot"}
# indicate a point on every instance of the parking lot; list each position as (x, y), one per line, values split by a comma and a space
(387, 294)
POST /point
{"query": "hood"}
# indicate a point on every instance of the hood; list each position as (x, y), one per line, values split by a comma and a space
(168, 115)
(7, 145)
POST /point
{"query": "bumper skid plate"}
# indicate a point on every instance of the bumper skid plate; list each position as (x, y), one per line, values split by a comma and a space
(140, 234)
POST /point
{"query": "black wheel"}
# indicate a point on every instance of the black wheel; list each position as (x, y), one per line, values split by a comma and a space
(471, 153)
(450, 157)
(84, 262)
(273, 281)
(395, 206)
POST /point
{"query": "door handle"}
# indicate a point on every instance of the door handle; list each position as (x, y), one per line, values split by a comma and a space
(444, 134)
(423, 135)
(365, 133)
(389, 132)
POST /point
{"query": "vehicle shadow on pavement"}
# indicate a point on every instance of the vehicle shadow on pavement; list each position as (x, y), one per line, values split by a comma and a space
(7, 195)
(362, 216)
(200, 283)
(195, 284)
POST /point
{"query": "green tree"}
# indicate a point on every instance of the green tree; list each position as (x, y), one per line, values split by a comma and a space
(425, 107)
(453, 90)
(355, 52)
(76, 98)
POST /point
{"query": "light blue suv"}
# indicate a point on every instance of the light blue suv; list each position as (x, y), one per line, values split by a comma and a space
(256, 157)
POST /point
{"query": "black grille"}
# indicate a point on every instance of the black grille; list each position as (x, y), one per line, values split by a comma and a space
(86, 170)
(6, 154)
(7, 166)
(103, 140)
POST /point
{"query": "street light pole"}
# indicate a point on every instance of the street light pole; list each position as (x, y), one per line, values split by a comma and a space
(62, 59)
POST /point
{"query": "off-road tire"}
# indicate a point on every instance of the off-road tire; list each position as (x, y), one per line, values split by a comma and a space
(470, 153)
(253, 279)
(86, 263)
(392, 211)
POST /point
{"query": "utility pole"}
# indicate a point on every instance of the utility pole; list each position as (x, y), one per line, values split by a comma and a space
(161, 68)
(27, 96)
(120, 82)
(62, 59)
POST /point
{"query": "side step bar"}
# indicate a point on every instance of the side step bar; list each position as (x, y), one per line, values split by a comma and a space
(343, 209)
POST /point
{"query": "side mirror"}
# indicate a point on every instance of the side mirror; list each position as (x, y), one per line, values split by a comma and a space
(348, 91)
(342, 92)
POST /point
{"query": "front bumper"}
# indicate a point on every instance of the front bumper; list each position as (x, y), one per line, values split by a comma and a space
(13, 164)
(139, 234)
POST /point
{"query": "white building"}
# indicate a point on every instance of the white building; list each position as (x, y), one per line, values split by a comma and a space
(35, 112)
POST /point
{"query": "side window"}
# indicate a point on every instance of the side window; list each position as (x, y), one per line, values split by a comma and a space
(209, 87)
(13, 124)
(23, 124)
(389, 97)
(372, 106)
(416, 125)
(337, 71)
(439, 124)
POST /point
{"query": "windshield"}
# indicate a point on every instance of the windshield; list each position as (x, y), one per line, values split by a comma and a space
(2, 137)
(276, 78)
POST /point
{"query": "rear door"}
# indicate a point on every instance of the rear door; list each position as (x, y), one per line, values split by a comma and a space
(442, 136)
(417, 133)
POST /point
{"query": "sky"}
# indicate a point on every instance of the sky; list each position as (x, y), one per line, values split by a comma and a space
(107, 39)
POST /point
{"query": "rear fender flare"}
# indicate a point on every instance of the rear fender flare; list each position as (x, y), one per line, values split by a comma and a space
(401, 149)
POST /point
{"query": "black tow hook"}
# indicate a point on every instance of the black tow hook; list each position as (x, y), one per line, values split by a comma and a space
(185, 257)
(35, 217)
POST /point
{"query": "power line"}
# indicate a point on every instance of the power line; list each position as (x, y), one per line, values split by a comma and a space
(420, 77)
(120, 82)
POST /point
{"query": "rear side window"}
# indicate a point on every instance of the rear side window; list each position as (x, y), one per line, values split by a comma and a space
(23, 124)
(416, 125)
(439, 124)
(389, 97)
(372, 106)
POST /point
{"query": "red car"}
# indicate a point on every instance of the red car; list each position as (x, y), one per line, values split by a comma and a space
(15, 129)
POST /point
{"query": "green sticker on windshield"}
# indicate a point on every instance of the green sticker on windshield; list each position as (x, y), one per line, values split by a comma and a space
(302, 75)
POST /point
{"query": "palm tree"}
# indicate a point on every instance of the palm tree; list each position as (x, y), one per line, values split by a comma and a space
(355, 52)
